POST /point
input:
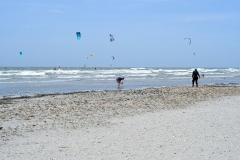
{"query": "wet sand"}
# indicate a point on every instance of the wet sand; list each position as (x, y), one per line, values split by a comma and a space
(153, 123)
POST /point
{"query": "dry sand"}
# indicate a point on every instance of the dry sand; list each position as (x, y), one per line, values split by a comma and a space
(154, 123)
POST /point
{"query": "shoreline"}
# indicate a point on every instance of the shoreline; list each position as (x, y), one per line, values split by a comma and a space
(41, 122)
(36, 95)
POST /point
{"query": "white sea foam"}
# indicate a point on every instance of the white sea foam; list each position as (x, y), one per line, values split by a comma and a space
(21, 77)
(180, 73)
(232, 70)
(30, 73)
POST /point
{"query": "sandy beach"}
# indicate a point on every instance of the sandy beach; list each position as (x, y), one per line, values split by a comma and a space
(152, 123)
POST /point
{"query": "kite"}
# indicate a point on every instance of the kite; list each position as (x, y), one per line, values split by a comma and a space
(194, 54)
(20, 53)
(189, 40)
(113, 57)
(111, 38)
(78, 35)
(90, 55)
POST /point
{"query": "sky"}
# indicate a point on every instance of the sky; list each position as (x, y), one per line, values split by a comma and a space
(148, 33)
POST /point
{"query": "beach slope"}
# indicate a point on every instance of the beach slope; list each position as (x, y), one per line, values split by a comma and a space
(153, 123)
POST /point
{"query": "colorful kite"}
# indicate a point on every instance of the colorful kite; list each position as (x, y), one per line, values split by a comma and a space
(111, 38)
(189, 40)
(78, 35)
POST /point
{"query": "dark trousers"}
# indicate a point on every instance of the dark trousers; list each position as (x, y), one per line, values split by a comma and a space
(196, 81)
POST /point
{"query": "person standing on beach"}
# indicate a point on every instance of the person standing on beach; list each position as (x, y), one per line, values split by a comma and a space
(119, 81)
(195, 76)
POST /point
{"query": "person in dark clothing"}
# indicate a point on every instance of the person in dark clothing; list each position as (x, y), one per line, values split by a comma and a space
(195, 76)
(119, 81)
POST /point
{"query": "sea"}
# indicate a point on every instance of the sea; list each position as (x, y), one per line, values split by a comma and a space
(29, 81)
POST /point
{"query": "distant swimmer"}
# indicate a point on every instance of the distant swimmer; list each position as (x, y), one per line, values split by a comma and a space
(195, 76)
(119, 81)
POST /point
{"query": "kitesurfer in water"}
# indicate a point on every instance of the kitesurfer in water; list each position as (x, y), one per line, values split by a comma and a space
(195, 76)
(119, 81)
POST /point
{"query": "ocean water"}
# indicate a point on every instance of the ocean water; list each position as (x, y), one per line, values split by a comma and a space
(22, 81)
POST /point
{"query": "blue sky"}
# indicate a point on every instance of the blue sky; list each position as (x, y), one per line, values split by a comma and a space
(148, 33)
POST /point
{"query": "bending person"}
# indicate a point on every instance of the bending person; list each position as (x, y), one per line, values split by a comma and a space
(119, 81)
